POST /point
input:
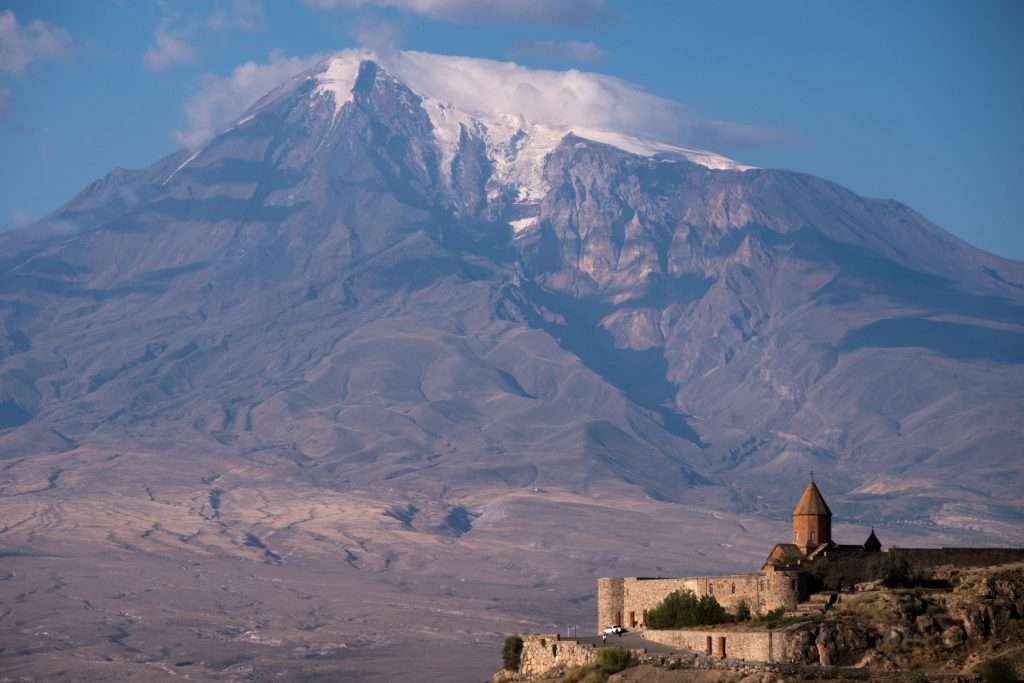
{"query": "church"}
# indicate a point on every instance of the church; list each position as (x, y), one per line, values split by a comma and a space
(791, 572)
(812, 534)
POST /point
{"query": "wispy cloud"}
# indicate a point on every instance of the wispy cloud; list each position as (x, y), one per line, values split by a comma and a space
(572, 98)
(379, 36)
(486, 11)
(238, 15)
(220, 99)
(168, 50)
(176, 41)
(570, 51)
(21, 45)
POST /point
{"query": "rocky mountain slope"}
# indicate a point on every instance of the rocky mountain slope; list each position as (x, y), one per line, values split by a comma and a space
(368, 287)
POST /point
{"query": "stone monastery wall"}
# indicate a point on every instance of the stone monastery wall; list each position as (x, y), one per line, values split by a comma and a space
(753, 646)
(926, 558)
(625, 601)
(543, 652)
(855, 567)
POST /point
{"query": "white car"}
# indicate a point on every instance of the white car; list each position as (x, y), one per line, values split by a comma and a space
(613, 630)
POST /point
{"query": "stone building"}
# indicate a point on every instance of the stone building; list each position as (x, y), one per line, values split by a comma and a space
(790, 572)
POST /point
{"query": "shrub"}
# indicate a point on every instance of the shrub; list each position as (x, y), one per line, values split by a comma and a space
(613, 659)
(610, 660)
(575, 674)
(998, 671)
(896, 573)
(742, 611)
(682, 608)
(512, 652)
(773, 618)
(584, 674)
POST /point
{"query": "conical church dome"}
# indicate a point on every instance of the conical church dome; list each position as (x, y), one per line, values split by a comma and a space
(812, 502)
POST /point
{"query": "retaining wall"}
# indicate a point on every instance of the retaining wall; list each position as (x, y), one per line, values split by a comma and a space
(754, 646)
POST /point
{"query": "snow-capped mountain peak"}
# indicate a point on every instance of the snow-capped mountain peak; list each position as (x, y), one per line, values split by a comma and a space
(517, 135)
(336, 78)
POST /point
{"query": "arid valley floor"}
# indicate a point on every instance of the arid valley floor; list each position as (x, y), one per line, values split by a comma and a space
(121, 566)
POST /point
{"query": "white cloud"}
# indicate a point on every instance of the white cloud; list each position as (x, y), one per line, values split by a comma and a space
(221, 99)
(518, 11)
(168, 50)
(573, 51)
(240, 15)
(33, 42)
(558, 98)
(484, 87)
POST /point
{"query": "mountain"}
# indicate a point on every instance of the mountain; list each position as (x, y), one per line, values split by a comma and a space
(381, 372)
(374, 288)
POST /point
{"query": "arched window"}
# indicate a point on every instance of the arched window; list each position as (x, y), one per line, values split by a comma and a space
(814, 537)
(554, 650)
(732, 588)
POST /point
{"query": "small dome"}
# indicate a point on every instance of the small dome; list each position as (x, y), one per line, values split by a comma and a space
(872, 544)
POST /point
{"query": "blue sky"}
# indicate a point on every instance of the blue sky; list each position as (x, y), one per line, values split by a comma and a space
(917, 101)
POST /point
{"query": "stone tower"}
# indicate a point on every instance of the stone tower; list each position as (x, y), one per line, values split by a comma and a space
(812, 520)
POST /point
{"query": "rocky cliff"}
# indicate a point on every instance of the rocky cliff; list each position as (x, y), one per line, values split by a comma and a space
(979, 614)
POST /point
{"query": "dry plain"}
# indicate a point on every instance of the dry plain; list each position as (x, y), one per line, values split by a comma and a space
(126, 566)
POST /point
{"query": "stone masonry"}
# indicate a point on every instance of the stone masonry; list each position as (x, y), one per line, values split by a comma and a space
(625, 601)
(543, 653)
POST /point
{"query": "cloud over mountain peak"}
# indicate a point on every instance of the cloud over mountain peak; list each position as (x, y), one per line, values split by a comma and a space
(481, 87)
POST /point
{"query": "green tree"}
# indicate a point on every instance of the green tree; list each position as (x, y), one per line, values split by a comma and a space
(682, 608)
(743, 611)
(512, 652)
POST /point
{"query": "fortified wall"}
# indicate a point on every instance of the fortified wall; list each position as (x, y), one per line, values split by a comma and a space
(545, 652)
(929, 558)
(845, 568)
(625, 601)
(752, 646)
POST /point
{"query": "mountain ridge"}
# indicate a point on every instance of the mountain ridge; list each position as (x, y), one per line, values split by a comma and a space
(312, 286)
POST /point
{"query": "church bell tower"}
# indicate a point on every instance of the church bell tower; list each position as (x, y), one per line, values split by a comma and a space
(812, 520)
